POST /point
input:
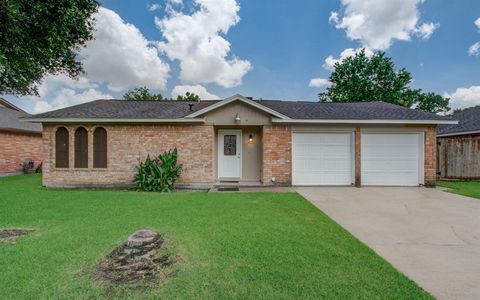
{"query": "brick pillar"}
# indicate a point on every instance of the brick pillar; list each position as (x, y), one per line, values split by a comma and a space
(277, 154)
(430, 167)
(358, 157)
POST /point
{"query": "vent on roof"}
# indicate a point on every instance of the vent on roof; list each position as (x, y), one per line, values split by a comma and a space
(249, 98)
(190, 106)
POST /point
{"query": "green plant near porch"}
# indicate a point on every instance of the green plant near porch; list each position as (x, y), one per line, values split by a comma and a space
(158, 174)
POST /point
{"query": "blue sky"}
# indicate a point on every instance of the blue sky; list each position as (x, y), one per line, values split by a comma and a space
(268, 49)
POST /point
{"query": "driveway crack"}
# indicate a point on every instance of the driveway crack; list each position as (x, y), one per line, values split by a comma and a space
(457, 235)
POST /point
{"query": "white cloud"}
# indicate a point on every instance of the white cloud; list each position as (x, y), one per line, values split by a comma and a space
(376, 24)
(349, 52)
(62, 79)
(121, 56)
(319, 82)
(474, 49)
(68, 97)
(118, 58)
(153, 6)
(197, 41)
(197, 89)
(426, 30)
(464, 97)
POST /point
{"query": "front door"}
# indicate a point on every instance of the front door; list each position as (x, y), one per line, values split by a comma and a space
(229, 154)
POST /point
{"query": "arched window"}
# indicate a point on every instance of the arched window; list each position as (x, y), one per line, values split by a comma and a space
(81, 148)
(100, 148)
(61, 148)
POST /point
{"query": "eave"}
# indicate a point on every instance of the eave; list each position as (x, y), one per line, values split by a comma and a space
(334, 121)
(105, 120)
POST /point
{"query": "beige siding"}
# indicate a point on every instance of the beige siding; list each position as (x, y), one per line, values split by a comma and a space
(251, 153)
(249, 115)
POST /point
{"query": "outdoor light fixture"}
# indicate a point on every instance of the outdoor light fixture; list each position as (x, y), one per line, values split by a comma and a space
(237, 117)
(250, 138)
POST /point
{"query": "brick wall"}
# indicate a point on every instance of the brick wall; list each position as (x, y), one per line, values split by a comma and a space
(430, 167)
(128, 145)
(16, 147)
(277, 154)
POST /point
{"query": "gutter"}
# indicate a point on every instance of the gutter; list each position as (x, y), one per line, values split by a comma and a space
(17, 130)
(349, 121)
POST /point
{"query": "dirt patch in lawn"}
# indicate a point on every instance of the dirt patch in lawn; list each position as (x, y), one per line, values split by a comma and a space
(144, 257)
(9, 234)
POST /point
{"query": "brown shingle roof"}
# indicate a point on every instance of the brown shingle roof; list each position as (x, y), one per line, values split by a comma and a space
(128, 109)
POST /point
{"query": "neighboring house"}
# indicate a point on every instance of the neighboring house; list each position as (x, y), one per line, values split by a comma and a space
(19, 140)
(459, 146)
(261, 142)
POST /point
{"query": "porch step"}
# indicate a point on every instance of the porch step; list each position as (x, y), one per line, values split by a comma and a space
(228, 189)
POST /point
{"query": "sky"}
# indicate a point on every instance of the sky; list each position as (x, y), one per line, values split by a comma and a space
(270, 49)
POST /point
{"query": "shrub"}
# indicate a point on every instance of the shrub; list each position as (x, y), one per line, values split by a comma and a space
(158, 174)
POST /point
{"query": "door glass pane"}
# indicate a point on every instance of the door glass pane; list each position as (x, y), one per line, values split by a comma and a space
(229, 145)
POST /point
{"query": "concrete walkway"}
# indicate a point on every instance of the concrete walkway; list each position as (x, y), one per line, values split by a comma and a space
(430, 235)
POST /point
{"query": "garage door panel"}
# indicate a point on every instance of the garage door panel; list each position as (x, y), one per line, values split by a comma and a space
(400, 164)
(322, 158)
(306, 150)
(390, 159)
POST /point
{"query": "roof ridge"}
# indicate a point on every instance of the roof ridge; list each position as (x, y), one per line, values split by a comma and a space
(161, 101)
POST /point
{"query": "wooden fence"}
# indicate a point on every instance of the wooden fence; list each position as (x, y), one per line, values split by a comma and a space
(458, 157)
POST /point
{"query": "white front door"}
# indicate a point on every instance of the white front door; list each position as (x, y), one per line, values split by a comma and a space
(229, 153)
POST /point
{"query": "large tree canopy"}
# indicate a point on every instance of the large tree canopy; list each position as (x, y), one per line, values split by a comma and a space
(142, 93)
(375, 78)
(39, 38)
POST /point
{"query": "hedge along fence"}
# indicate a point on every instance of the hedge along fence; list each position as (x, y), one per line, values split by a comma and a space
(458, 157)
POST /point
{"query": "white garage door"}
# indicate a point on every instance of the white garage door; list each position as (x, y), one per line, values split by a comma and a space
(322, 158)
(391, 159)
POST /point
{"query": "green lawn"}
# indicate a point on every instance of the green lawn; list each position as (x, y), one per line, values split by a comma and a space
(465, 188)
(232, 245)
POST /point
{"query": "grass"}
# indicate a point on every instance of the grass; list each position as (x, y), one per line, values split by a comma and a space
(234, 245)
(465, 188)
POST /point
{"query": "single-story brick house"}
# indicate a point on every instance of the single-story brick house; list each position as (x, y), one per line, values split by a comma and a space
(459, 146)
(261, 142)
(19, 140)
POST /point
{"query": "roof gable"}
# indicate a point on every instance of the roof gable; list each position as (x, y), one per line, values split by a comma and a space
(238, 98)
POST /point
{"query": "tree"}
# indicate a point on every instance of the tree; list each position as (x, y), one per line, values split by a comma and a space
(39, 38)
(142, 93)
(375, 78)
(188, 97)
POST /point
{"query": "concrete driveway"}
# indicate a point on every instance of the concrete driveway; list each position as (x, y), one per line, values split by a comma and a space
(430, 235)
